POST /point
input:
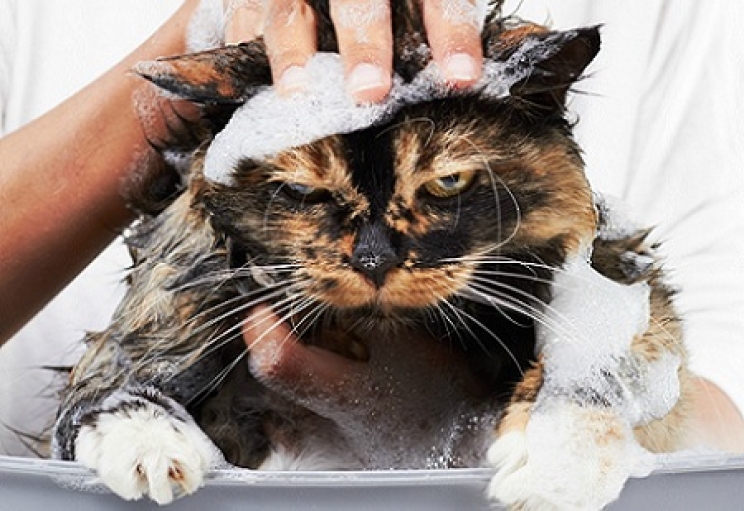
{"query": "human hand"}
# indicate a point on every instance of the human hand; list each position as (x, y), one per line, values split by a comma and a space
(408, 401)
(364, 32)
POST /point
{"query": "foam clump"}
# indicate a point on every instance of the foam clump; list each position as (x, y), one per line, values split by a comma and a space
(617, 219)
(460, 12)
(586, 343)
(269, 123)
(591, 315)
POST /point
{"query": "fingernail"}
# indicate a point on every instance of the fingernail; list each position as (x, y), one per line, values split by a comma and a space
(364, 77)
(294, 79)
(460, 67)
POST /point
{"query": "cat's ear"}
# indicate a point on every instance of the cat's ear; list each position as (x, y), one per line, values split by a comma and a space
(223, 76)
(545, 63)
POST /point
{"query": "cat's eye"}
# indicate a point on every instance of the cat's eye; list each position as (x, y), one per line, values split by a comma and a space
(306, 193)
(449, 186)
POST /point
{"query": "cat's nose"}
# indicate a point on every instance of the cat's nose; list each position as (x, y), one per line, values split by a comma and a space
(373, 266)
(374, 254)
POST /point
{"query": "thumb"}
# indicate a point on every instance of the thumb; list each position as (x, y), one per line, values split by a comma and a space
(313, 377)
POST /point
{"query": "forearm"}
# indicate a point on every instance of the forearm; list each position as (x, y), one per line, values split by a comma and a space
(715, 422)
(62, 182)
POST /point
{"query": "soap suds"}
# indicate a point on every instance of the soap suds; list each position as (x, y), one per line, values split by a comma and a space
(617, 219)
(590, 358)
(269, 123)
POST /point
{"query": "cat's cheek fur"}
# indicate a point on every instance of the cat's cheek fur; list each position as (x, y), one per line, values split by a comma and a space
(146, 451)
(568, 457)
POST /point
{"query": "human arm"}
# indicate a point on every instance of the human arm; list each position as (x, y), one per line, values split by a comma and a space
(715, 422)
(63, 179)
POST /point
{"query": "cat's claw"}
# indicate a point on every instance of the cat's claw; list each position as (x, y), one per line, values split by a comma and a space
(574, 458)
(144, 451)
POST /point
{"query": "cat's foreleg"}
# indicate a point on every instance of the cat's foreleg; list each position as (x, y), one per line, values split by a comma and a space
(139, 442)
(568, 439)
(557, 453)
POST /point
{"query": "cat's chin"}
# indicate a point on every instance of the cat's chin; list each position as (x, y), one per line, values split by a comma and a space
(403, 289)
(349, 331)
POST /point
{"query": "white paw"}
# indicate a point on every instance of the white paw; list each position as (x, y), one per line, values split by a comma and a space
(569, 458)
(142, 449)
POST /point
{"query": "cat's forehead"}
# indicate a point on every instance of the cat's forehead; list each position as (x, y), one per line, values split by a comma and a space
(418, 144)
(322, 164)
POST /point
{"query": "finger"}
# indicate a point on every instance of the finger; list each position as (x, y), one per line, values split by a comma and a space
(453, 30)
(289, 33)
(304, 374)
(365, 40)
(245, 20)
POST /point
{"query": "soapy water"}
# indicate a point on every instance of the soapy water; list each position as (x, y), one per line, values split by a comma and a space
(83, 482)
(463, 442)
(414, 404)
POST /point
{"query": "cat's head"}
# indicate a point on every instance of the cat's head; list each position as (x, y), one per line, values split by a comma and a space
(434, 200)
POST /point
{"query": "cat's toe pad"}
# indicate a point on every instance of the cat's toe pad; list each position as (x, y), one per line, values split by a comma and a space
(143, 451)
(516, 479)
(568, 458)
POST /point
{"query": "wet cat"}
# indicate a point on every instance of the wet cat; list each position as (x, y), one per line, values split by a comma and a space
(462, 216)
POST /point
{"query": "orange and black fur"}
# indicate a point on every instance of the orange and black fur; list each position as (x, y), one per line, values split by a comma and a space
(366, 233)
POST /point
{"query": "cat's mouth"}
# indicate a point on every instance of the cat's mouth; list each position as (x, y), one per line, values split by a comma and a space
(403, 288)
(344, 312)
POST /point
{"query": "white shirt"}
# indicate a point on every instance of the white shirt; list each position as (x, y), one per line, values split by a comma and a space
(661, 127)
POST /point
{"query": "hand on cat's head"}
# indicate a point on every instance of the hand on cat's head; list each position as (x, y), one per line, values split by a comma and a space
(364, 33)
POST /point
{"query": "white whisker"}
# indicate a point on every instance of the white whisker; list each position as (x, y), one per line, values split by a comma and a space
(472, 318)
(505, 300)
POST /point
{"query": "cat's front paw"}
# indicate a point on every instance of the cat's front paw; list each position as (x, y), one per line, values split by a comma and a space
(567, 458)
(141, 448)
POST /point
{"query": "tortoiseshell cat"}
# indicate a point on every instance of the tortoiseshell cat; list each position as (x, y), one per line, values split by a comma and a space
(466, 201)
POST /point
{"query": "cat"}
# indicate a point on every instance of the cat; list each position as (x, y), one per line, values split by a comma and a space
(462, 214)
